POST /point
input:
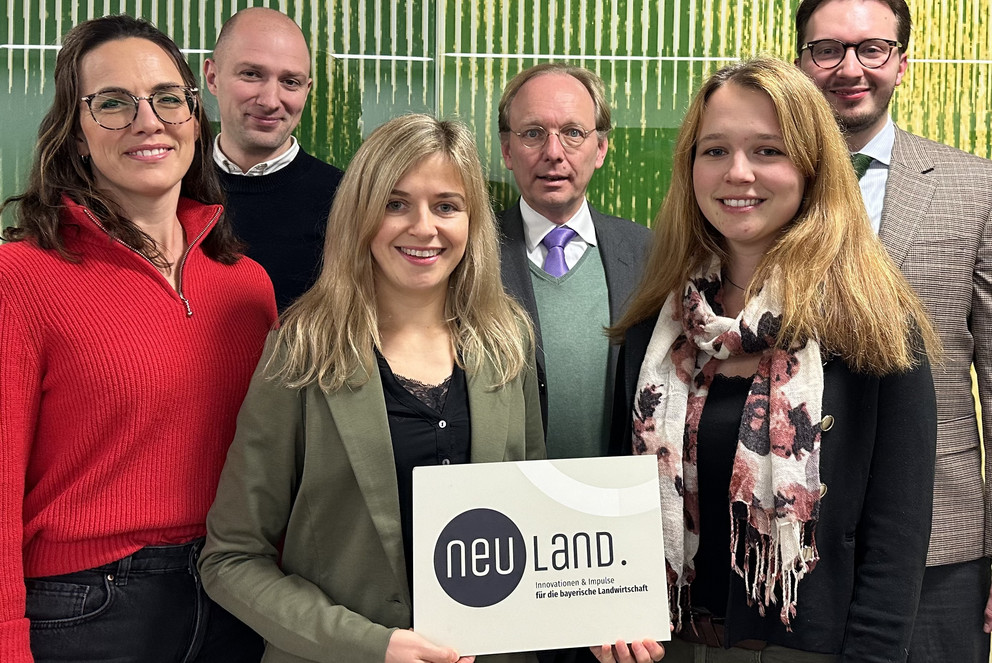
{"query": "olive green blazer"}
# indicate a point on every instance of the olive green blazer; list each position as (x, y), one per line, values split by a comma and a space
(304, 542)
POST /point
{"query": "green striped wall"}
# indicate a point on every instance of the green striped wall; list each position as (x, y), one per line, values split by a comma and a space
(373, 59)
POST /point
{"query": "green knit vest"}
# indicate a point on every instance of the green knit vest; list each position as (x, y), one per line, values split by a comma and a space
(572, 312)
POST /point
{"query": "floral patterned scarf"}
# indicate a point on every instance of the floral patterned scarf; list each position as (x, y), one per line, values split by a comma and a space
(775, 486)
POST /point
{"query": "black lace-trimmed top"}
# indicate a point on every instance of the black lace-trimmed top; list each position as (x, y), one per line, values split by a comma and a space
(428, 425)
(431, 395)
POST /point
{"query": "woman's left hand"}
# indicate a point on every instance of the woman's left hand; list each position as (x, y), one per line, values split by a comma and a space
(642, 651)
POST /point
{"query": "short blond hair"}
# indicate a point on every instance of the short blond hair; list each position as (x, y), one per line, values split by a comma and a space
(590, 81)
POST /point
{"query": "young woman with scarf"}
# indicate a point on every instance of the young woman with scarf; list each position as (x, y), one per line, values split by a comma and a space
(776, 364)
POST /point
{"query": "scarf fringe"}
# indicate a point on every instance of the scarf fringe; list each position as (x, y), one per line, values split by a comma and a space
(677, 606)
(773, 560)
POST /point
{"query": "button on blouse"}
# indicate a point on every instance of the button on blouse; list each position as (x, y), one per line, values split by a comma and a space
(426, 429)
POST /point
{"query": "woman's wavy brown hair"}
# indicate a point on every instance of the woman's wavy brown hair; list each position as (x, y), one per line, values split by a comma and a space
(59, 171)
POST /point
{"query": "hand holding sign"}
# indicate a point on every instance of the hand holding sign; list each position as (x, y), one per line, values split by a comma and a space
(638, 652)
(405, 646)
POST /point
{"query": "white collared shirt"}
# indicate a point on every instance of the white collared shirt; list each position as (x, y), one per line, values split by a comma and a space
(879, 148)
(263, 168)
(536, 226)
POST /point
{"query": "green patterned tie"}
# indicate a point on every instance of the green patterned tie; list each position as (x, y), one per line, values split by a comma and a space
(860, 163)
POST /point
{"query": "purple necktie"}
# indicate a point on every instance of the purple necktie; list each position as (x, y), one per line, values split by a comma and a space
(555, 242)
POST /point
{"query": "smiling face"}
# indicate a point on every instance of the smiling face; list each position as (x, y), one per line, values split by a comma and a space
(745, 184)
(551, 179)
(858, 95)
(147, 160)
(260, 75)
(423, 233)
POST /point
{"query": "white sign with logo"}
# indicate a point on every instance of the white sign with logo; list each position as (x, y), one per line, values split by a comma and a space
(539, 554)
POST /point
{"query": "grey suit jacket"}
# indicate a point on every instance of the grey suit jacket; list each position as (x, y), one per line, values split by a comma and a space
(623, 246)
(304, 540)
(937, 226)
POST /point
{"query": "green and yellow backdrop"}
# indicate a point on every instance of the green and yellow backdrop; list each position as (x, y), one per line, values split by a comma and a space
(374, 59)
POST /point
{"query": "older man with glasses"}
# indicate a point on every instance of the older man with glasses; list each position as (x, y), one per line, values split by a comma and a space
(932, 207)
(569, 265)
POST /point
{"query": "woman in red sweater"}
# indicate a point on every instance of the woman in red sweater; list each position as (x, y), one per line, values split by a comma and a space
(130, 328)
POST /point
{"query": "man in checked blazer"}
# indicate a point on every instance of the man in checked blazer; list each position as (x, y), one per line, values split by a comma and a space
(554, 125)
(932, 207)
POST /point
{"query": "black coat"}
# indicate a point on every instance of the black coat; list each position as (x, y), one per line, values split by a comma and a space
(877, 468)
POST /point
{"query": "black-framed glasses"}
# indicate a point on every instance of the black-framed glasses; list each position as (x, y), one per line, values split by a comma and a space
(571, 136)
(828, 53)
(117, 109)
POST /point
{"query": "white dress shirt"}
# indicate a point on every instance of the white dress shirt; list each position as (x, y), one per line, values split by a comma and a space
(536, 226)
(263, 168)
(873, 183)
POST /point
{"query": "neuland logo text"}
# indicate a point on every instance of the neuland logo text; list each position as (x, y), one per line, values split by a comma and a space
(480, 556)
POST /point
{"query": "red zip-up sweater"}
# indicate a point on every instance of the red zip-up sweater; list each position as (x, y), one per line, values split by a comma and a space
(118, 399)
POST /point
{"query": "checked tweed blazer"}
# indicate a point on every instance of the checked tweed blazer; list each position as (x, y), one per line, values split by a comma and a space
(937, 226)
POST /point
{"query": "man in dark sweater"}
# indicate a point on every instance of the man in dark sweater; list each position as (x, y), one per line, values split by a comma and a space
(278, 196)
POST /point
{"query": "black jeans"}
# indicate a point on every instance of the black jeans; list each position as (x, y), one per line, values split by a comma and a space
(146, 608)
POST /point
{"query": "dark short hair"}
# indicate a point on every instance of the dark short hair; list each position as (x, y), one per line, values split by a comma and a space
(904, 21)
(58, 170)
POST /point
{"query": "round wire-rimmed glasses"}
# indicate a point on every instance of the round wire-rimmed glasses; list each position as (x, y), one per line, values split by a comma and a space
(116, 109)
(828, 53)
(571, 136)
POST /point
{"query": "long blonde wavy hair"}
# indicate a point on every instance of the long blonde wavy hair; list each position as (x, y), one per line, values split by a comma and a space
(840, 286)
(329, 334)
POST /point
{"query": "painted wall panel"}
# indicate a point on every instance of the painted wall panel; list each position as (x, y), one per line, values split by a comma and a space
(374, 59)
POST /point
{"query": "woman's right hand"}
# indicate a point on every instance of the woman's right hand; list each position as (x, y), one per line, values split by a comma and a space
(643, 651)
(408, 647)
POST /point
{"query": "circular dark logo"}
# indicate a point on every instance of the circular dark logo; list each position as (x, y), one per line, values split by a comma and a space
(479, 558)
